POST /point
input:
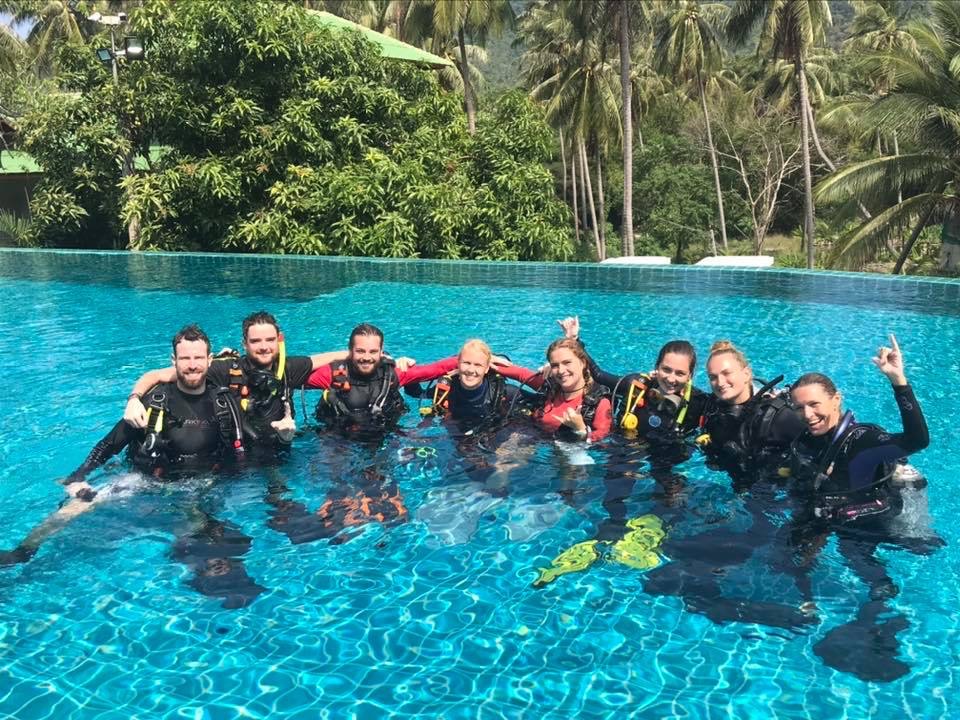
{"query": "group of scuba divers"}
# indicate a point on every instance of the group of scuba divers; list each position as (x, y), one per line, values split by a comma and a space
(844, 477)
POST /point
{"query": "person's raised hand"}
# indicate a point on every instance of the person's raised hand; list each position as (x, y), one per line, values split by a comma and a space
(889, 360)
(570, 326)
(404, 363)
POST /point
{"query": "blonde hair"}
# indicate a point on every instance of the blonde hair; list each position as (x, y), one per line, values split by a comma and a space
(479, 345)
(721, 347)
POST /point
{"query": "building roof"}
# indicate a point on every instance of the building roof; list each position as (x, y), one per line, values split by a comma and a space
(389, 47)
(17, 162)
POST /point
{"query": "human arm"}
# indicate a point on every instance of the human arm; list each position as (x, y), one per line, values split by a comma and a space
(571, 329)
(525, 376)
(325, 358)
(430, 371)
(113, 442)
(135, 414)
(915, 435)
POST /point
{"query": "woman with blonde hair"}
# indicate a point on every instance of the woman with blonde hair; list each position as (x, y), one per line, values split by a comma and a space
(746, 427)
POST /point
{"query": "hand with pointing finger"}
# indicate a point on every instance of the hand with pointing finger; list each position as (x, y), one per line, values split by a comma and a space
(889, 360)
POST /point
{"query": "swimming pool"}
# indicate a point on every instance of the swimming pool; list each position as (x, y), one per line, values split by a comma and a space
(433, 615)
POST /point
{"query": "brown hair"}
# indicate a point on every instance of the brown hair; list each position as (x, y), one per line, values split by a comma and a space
(678, 347)
(725, 346)
(816, 379)
(574, 346)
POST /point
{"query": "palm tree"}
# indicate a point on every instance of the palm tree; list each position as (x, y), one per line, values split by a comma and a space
(922, 106)
(789, 29)
(687, 47)
(460, 18)
(12, 50)
(569, 59)
(54, 23)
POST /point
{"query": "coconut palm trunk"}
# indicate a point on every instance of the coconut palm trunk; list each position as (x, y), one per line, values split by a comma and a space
(563, 163)
(626, 95)
(908, 246)
(808, 210)
(602, 203)
(573, 189)
(713, 159)
(588, 184)
(468, 98)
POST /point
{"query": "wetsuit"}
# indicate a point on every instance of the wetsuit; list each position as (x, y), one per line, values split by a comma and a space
(750, 440)
(487, 403)
(195, 437)
(373, 401)
(845, 482)
(262, 397)
(848, 477)
(191, 438)
(656, 416)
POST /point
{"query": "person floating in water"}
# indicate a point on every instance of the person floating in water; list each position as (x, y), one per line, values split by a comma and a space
(261, 381)
(190, 428)
(362, 392)
(847, 475)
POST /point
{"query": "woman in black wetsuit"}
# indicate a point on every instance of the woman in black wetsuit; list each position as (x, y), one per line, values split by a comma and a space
(845, 475)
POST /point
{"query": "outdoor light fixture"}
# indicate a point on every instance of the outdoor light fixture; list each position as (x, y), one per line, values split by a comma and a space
(105, 56)
(133, 48)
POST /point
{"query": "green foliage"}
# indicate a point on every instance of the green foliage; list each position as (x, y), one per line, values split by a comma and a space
(15, 230)
(284, 137)
(669, 170)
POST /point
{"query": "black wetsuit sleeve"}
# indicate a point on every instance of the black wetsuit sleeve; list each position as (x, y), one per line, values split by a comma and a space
(915, 435)
(218, 373)
(695, 411)
(297, 370)
(116, 440)
(602, 376)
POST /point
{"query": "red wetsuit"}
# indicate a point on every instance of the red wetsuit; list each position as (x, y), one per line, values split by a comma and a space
(602, 419)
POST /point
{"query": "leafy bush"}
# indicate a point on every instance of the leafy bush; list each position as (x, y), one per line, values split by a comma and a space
(283, 136)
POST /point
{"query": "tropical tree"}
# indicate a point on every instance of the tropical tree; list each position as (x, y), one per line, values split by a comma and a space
(789, 29)
(688, 48)
(917, 188)
(569, 66)
(276, 141)
(459, 19)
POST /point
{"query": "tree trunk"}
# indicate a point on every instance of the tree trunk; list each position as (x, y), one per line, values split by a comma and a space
(713, 161)
(573, 188)
(563, 161)
(584, 220)
(908, 246)
(808, 214)
(896, 153)
(603, 212)
(584, 169)
(627, 97)
(816, 141)
(467, 88)
(640, 136)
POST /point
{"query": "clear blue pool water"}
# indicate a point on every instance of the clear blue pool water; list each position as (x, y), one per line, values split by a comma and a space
(435, 616)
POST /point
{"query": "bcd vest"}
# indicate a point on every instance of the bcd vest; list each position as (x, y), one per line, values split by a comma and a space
(354, 399)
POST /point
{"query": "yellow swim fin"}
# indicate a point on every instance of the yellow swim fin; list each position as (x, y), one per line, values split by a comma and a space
(638, 548)
(574, 559)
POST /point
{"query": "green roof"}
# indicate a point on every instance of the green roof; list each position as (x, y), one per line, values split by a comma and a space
(389, 47)
(16, 162)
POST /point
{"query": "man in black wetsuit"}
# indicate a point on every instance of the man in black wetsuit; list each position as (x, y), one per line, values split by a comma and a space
(188, 429)
(261, 381)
